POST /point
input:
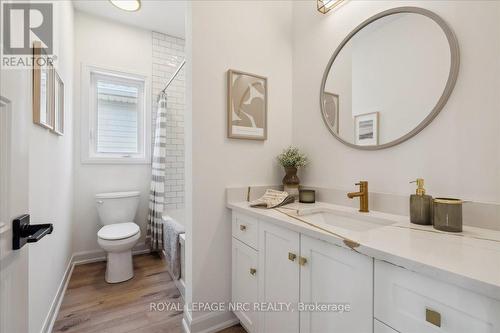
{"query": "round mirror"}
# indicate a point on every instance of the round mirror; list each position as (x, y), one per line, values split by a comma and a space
(389, 78)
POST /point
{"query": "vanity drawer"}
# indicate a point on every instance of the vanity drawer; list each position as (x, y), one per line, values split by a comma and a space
(246, 229)
(410, 302)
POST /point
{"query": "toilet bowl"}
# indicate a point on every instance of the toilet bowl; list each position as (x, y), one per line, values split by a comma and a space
(119, 233)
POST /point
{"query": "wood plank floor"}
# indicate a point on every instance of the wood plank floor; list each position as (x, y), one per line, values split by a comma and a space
(92, 305)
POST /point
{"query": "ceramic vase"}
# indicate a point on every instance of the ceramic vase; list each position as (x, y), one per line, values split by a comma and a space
(291, 181)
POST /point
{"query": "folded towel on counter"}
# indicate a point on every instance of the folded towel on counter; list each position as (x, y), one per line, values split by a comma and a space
(273, 199)
(171, 231)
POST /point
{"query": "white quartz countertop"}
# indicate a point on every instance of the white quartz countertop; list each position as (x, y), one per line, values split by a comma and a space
(470, 259)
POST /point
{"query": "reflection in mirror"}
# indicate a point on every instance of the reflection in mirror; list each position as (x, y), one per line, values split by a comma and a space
(387, 79)
(331, 110)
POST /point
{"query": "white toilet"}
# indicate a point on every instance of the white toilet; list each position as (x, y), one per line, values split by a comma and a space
(119, 233)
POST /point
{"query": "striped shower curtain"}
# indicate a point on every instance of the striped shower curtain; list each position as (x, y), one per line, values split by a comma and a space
(157, 191)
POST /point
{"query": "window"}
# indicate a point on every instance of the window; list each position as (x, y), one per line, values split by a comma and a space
(117, 121)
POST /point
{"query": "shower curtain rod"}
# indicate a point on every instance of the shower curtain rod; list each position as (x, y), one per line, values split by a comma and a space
(175, 75)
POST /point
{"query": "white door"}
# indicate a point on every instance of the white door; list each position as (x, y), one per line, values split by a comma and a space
(278, 278)
(15, 110)
(335, 275)
(245, 284)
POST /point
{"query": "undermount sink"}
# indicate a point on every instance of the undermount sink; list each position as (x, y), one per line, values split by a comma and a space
(348, 220)
(350, 223)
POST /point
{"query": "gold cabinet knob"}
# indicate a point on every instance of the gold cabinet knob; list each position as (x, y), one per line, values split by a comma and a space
(433, 317)
(243, 227)
(292, 256)
(302, 261)
(253, 271)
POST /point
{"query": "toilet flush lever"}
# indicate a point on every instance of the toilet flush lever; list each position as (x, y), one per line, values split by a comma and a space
(100, 202)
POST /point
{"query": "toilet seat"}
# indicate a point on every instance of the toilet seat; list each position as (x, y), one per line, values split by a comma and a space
(118, 231)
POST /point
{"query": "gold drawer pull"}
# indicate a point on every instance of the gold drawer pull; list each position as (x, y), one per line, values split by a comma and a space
(302, 261)
(292, 256)
(243, 227)
(433, 317)
(253, 271)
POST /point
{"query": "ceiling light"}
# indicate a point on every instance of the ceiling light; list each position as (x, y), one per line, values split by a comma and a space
(324, 6)
(128, 5)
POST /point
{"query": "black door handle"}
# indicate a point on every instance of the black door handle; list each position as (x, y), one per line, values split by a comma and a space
(23, 232)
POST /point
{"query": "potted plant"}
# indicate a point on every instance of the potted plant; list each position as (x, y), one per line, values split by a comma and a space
(292, 159)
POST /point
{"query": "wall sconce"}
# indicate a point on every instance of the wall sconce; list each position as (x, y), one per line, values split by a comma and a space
(324, 6)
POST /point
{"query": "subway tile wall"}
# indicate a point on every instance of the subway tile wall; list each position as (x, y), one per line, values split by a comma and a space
(168, 53)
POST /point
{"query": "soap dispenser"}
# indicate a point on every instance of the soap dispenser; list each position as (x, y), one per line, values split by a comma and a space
(420, 205)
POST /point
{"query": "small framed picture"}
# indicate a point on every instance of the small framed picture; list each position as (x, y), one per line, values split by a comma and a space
(366, 127)
(58, 104)
(247, 106)
(331, 110)
(43, 76)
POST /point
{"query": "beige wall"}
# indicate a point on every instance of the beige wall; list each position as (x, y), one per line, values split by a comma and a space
(51, 183)
(106, 44)
(250, 36)
(458, 153)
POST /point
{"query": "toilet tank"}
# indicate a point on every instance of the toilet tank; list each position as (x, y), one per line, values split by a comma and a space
(117, 207)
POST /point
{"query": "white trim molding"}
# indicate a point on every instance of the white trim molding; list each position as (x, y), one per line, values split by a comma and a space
(88, 118)
(210, 322)
(49, 321)
(87, 257)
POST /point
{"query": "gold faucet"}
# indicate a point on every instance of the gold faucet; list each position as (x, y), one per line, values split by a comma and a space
(362, 194)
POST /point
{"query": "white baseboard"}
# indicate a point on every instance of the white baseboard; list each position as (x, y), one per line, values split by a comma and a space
(208, 323)
(78, 258)
(48, 324)
(186, 322)
(87, 257)
(181, 285)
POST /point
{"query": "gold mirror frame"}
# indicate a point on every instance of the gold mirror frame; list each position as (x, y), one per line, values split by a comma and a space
(450, 84)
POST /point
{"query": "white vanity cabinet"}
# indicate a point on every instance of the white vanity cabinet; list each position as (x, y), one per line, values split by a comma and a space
(279, 279)
(245, 270)
(335, 275)
(413, 303)
(292, 269)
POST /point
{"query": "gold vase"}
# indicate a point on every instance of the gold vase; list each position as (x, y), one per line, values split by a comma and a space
(291, 181)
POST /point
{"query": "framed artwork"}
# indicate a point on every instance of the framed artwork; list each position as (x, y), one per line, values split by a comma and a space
(58, 99)
(247, 106)
(331, 110)
(366, 129)
(43, 76)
